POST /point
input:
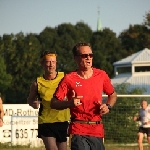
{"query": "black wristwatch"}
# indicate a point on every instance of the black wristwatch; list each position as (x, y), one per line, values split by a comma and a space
(109, 107)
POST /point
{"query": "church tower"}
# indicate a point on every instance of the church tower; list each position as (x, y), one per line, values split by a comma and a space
(99, 25)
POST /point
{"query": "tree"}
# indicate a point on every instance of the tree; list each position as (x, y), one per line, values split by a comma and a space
(23, 53)
(136, 37)
(48, 38)
(147, 19)
(106, 48)
(84, 32)
(5, 78)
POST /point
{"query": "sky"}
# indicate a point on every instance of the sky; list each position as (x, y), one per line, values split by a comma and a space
(32, 16)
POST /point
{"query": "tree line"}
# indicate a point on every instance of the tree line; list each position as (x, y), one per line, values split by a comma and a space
(19, 53)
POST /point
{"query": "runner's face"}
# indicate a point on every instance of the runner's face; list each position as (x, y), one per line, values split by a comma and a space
(144, 104)
(84, 58)
(49, 64)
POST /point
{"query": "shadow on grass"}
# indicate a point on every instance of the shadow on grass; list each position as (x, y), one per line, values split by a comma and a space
(6, 146)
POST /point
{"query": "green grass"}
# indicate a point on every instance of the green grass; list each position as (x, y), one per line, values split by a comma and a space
(107, 147)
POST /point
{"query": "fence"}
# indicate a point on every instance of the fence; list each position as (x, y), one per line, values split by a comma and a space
(20, 123)
(120, 128)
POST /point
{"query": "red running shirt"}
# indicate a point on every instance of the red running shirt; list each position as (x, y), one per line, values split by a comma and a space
(91, 89)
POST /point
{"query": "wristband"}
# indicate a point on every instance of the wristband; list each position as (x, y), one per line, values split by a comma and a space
(109, 107)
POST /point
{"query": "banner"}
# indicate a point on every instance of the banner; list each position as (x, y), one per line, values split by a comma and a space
(20, 125)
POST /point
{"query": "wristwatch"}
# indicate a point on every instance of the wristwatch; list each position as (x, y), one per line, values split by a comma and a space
(109, 107)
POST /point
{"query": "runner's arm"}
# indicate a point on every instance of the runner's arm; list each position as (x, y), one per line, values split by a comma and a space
(32, 98)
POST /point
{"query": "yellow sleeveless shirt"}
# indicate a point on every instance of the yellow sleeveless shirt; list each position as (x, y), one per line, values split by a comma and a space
(46, 89)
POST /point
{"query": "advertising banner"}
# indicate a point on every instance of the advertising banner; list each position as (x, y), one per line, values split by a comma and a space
(20, 125)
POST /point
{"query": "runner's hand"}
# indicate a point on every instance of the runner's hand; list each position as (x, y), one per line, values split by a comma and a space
(103, 108)
(76, 99)
(35, 104)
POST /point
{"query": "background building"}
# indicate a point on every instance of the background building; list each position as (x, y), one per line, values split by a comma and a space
(134, 69)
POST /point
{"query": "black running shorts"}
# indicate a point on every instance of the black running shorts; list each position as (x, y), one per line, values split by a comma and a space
(145, 130)
(57, 130)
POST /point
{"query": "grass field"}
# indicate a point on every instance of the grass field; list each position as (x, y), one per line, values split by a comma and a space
(107, 148)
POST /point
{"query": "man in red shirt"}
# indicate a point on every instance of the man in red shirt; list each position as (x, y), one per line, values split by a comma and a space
(84, 88)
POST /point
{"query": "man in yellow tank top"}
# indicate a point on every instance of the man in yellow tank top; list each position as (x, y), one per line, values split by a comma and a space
(52, 124)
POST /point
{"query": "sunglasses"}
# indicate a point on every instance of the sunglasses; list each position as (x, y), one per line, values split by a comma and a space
(86, 55)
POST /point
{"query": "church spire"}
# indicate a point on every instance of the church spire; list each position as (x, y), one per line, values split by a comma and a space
(99, 25)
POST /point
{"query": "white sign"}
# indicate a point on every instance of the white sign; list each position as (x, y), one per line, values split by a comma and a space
(20, 125)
